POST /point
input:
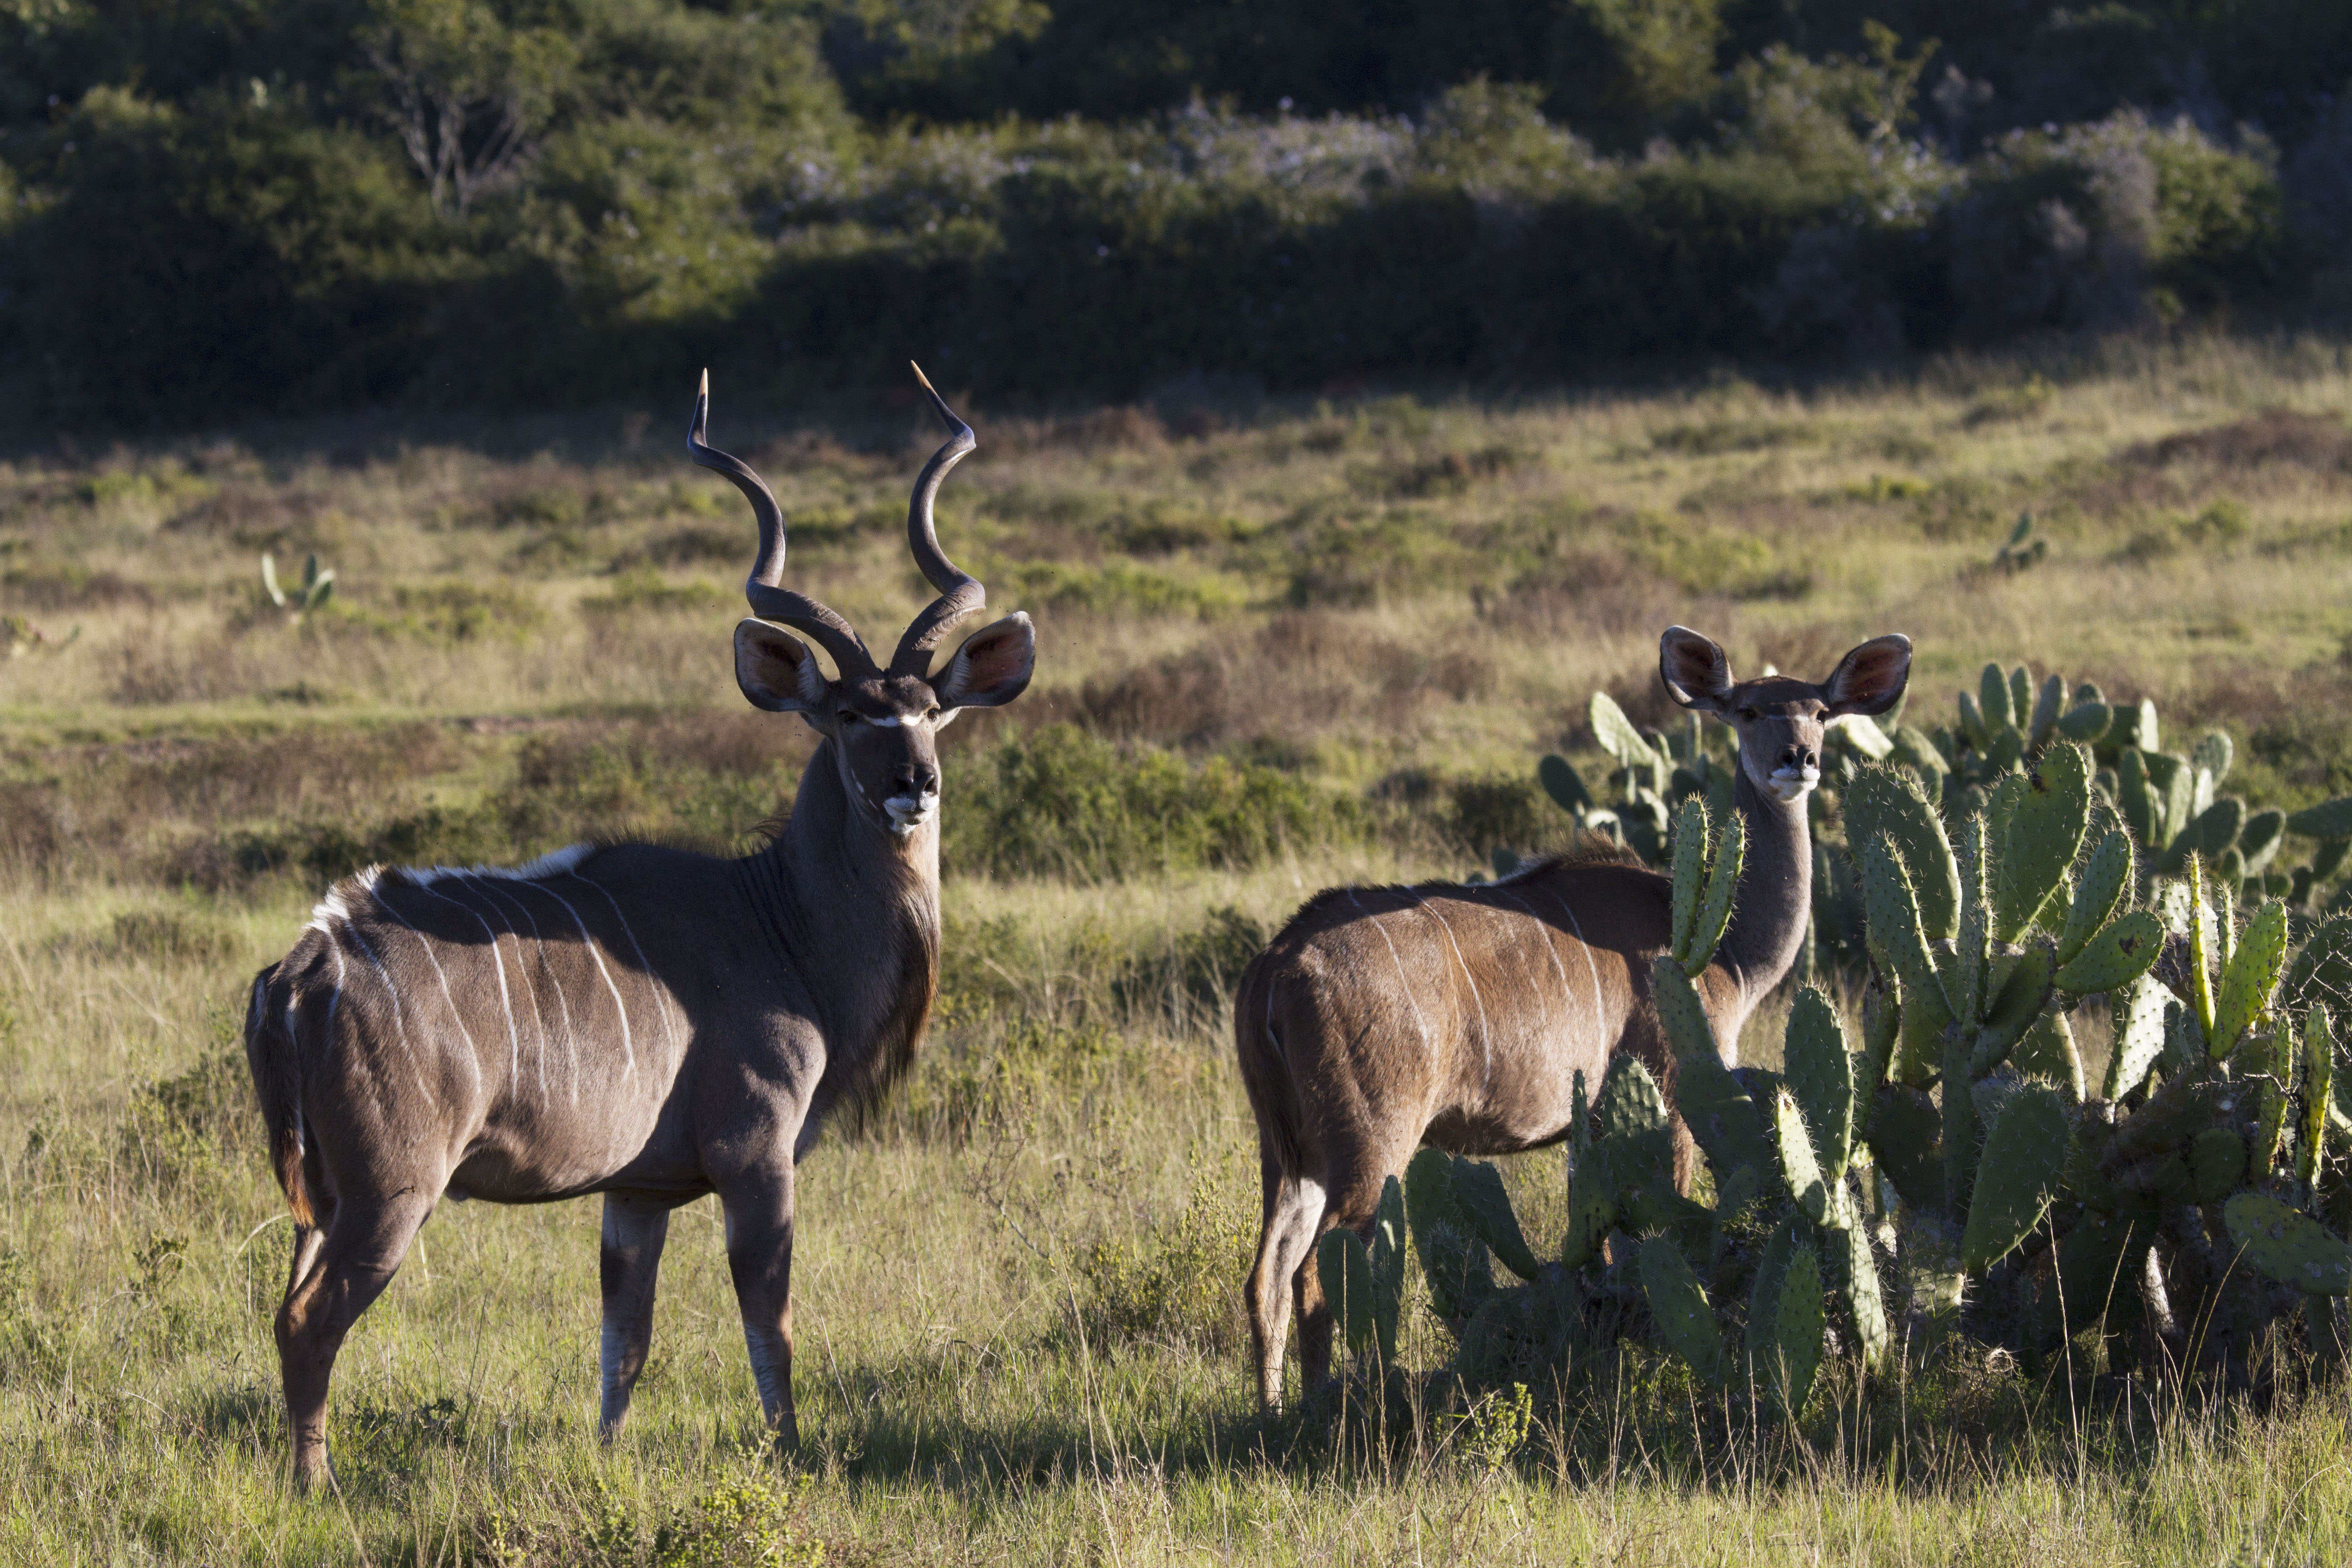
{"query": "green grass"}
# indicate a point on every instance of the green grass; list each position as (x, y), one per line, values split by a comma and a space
(1018, 1310)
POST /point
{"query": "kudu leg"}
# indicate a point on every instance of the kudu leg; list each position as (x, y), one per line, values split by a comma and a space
(1293, 1206)
(634, 1228)
(362, 1248)
(759, 1257)
(1352, 1198)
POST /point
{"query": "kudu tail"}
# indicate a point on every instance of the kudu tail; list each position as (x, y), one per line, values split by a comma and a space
(1258, 1023)
(269, 1054)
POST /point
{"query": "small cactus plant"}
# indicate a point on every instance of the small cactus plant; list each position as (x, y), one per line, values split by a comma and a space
(2022, 548)
(318, 586)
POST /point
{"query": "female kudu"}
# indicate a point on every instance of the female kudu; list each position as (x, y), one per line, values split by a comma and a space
(632, 1019)
(1382, 1018)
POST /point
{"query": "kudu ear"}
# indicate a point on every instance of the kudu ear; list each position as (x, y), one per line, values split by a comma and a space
(1694, 670)
(991, 667)
(777, 670)
(1871, 679)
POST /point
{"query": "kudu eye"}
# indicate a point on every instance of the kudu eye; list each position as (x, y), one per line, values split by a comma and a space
(1746, 713)
(848, 716)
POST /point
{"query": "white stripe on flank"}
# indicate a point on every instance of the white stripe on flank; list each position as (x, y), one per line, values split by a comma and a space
(1426, 1040)
(399, 1019)
(628, 1049)
(1485, 1032)
(661, 990)
(473, 1051)
(529, 986)
(562, 1002)
(506, 998)
(1598, 1028)
(1271, 1037)
(1543, 935)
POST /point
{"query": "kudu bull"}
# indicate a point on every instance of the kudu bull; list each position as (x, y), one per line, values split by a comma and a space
(632, 1019)
(1382, 1018)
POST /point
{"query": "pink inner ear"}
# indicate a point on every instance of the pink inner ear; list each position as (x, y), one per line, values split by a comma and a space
(1871, 673)
(1697, 672)
(990, 660)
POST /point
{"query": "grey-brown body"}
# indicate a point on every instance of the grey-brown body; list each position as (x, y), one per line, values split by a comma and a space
(633, 1020)
(1382, 1018)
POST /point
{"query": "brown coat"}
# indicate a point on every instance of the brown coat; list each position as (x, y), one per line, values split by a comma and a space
(1383, 1018)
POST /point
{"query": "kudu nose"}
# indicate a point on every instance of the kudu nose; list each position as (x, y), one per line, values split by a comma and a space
(1799, 757)
(915, 779)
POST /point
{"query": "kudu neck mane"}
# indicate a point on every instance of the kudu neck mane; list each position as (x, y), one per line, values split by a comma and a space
(1775, 894)
(843, 895)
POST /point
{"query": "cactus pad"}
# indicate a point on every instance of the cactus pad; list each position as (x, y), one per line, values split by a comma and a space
(1726, 1123)
(2249, 980)
(2043, 833)
(2013, 1010)
(1592, 1211)
(1904, 1129)
(1723, 869)
(1478, 1193)
(2106, 875)
(1883, 805)
(1893, 917)
(2214, 753)
(2259, 840)
(2120, 953)
(1691, 833)
(1798, 1166)
(1820, 1075)
(1630, 1101)
(2136, 797)
(1680, 1307)
(2025, 1157)
(1617, 736)
(1454, 1263)
(1345, 1267)
(2048, 1051)
(2322, 971)
(2139, 1036)
(2328, 819)
(1680, 1012)
(1564, 785)
(2093, 1267)
(2086, 722)
(2290, 1247)
(2318, 1092)
(1855, 1274)
(1968, 978)
(1795, 1344)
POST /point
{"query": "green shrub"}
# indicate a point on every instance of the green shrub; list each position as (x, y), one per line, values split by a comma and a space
(1064, 803)
(188, 1130)
(1176, 1281)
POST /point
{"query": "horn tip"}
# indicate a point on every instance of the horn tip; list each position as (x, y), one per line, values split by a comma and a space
(921, 377)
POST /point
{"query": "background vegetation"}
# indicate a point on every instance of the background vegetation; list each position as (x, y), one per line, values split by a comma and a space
(1285, 642)
(215, 205)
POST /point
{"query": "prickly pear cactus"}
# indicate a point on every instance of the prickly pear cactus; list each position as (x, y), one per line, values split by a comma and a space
(2024, 1156)
(2290, 1247)
(2057, 859)
(1678, 1304)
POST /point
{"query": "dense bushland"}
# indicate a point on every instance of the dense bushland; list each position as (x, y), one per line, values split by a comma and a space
(467, 202)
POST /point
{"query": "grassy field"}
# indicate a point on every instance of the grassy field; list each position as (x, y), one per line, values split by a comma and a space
(1282, 645)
